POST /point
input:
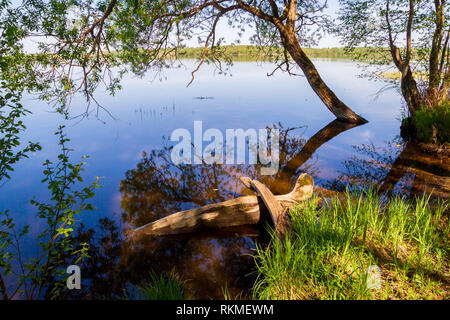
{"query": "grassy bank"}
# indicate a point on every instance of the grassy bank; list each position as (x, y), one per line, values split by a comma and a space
(240, 53)
(331, 249)
(433, 125)
(429, 128)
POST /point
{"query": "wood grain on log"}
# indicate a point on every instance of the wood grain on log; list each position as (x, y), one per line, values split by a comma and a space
(272, 204)
(235, 212)
(279, 217)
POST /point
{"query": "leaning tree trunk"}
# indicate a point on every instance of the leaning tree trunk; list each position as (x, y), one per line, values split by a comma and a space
(333, 103)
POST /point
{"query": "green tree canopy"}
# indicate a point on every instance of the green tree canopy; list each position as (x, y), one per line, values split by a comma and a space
(414, 34)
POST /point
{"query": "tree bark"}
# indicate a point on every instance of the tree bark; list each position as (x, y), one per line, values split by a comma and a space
(436, 48)
(328, 97)
(410, 92)
(408, 84)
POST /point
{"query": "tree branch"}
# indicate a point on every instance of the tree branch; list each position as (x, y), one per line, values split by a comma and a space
(395, 52)
(257, 12)
(408, 37)
(3, 288)
(434, 75)
(274, 8)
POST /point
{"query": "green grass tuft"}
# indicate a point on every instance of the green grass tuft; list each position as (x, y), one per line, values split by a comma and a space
(158, 287)
(330, 249)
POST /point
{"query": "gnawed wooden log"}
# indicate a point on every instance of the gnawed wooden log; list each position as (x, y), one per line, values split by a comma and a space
(244, 210)
(278, 216)
(272, 204)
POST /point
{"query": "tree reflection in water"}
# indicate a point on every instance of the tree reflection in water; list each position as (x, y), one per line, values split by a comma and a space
(157, 188)
(208, 262)
(396, 168)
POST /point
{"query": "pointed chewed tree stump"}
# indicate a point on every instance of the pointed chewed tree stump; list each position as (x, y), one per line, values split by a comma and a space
(278, 215)
(246, 210)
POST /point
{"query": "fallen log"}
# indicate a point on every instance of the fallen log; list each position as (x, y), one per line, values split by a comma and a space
(278, 217)
(246, 210)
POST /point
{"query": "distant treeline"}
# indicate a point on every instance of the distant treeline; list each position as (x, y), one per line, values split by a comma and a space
(252, 53)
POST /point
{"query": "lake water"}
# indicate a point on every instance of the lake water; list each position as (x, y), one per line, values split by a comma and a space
(141, 184)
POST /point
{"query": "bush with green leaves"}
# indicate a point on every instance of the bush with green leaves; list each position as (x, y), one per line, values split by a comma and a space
(44, 276)
(11, 125)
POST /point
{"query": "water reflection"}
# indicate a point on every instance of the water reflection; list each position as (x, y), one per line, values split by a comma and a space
(210, 261)
(396, 168)
(153, 187)
(157, 187)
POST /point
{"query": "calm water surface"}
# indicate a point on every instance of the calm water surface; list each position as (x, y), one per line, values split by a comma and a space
(140, 184)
